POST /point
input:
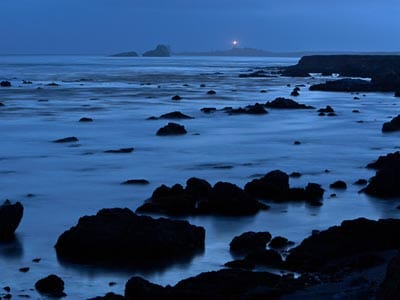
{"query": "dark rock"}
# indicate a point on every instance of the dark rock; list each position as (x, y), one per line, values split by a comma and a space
(332, 196)
(136, 182)
(7, 289)
(356, 98)
(343, 85)
(5, 84)
(390, 287)
(152, 118)
(109, 296)
(138, 288)
(263, 91)
(356, 111)
(312, 193)
(197, 188)
(386, 161)
(202, 85)
(361, 182)
(250, 241)
(297, 143)
(256, 109)
(84, 119)
(120, 236)
(351, 238)
(274, 186)
(24, 269)
(240, 264)
(279, 242)
(177, 115)
(393, 125)
(327, 109)
(397, 94)
(321, 114)
(340, 184)
(283, 103)
(172, 129)
(294, 93)
(122, 150)
(1, 104)
(208, 110)
(10, 217)
(53, 84)
(70, 139)
(51, 285)
(126, 54)
(211, 92)
(176, 98)
(36, 260)
(265, 257)
(295, 175)
(159, 51)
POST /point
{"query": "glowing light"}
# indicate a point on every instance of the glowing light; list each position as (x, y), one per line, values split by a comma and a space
(235, 43)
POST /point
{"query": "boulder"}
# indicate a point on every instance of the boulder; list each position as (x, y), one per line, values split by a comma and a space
(211, 92)
(159, 51)
(70, 139)
(51, 285)
(274, 186)
(256, 109)
(393, 125)
(340, 185)
(126, 54)
(361, 182)
(84, 119)
(121, 150)
(176, 98)
(138, 288)
(119, 236)
(5, 84)
(386, 161)
(175, 115)
(250, 241)
(351, 238)
(10, 217)
(172, 129)
(279, 242)
(283, 103)
(390, 287)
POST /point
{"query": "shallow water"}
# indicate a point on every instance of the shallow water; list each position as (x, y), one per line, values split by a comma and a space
(119, 94)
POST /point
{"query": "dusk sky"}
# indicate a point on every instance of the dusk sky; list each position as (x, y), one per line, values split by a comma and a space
(109, 26)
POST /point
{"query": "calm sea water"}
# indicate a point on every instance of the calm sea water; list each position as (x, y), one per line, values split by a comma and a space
(119, 94)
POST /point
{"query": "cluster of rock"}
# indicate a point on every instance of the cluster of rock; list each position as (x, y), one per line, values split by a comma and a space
(384, 71)
(119, 236)
(224, 198)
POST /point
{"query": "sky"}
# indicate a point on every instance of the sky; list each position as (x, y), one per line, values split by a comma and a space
(111, 26)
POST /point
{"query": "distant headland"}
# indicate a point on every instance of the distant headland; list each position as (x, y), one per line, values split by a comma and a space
(159, 51)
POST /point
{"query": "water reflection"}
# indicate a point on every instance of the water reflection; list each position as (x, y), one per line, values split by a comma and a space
(12, 249)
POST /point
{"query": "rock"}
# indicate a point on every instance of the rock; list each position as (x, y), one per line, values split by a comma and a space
(240, 264)
(397, 94)
(126, 54)
(53, 84)
(351, 238)
(176, 98)
(312, 193)
(51, 285)
(197, 188)
(390, 287)
(208, 110)
(10, 217)
(121, 150)
(256, 109)
(340, 184)
(24, 270)
(119, 236)
(1, 104)
(385, 182)
(70, 139)
(152, 118)
(297, 143)
(211, 92)
(109, 296)
(283, 103)
(136, 182)
(344, 85)
(361, 182)
(393, 125)
(84, 119)
(263, 91)
(356, 111)
(265, 257)
(177, 115)
(36, 260)
(279, 242)
(202, 85)
(7, 289)
(294, 93)
(356, 98)
(327, 109)
(5, 84)
(172, 129)
(159, 51)
(250, 241)
(274, 186)
(138, 288)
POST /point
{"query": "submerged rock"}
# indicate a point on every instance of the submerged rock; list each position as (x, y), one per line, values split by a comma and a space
(176, 98)
(351, 238)
(126, 54)
(51, 285)
(340, 184)
(250, 241)
(5, 84)
(211, 92)
(85, 119)
(70, 139)
(10, 217)
(256, 109)
(283, 103)
(120, 236)
(136, 182)
(393, 125)
(121, 150)
(172, 129)
(177, 115)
